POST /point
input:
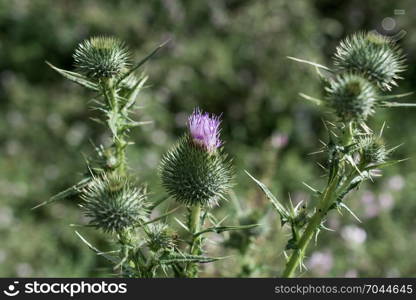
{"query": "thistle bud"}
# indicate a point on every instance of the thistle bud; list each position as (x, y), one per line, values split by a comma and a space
(372, 150)
(351, 96)
(372, 55)
(113, 204)
(160, 237)
(195, 170)
(101, 57)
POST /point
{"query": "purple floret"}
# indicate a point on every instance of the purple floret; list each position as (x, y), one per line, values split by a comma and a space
(205, 129)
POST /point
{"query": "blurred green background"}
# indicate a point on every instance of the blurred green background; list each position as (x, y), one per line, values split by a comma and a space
(227, 57)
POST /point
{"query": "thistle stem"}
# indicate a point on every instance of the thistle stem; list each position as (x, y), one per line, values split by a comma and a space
(326, 200)
(194, 227)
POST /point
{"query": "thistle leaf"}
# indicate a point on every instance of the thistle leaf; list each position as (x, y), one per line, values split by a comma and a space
(153, 53)
(132, 95)
(220, 229)
(160, 217)
(312, 99)
(185, 258)
(309, 63)
(284, 214)
(75, 77)
(71, 191)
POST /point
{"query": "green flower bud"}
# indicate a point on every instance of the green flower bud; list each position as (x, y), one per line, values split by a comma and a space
(351, 96)
(372, 55)
(101, 57)
(193, 175)
(160, 237)
(114, 204)
(372, 150)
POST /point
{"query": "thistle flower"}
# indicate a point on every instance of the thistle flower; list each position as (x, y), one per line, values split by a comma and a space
(351, 96)
(195, 170)
(112, 203)
(204, 130)
(372, 55)
(101, 57)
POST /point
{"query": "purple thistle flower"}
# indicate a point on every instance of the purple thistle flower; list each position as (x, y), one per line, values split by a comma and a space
(205, 129)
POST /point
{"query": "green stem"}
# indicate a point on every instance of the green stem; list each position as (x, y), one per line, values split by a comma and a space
(326, 200)
(194, 227)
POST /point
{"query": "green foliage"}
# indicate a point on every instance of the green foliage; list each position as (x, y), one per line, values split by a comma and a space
(227, 57)
(194, 176)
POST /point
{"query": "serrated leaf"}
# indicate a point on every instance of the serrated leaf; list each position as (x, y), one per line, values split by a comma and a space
(312, 99)
(284, 214)
(75, 77)
(309, 63)
(71, 191)
(186, 258)
(132, 95)
(397, 104)
(153, 53)
(160, 217)
(220, 229)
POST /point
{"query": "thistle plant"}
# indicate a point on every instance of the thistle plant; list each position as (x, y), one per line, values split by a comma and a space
(196, 173)
(366, 65)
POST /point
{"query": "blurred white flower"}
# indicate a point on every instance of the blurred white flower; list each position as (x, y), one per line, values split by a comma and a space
(320, 262)
(279, 140)
(352, 273)
(6, 216)
(24, 270)
(3, 256)
(353, 234)
(386, 201)
(396, 183)
(371, 207)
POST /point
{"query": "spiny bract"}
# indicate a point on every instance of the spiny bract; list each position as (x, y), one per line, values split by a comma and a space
(101, 57)
(372, 55)
(351, 96)
(112, 203)
(191, 175)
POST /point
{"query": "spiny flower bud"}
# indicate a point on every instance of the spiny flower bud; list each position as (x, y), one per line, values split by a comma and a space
(113, 203)
(160, 237)
(372, 150)
(372, 55)
(101, 57)
(351, 96)
(195, 170)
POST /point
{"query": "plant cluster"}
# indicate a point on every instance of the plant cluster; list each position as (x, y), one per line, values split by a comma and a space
(197, 173)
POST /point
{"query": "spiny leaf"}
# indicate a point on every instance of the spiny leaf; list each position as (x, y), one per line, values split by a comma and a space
(396, 104)
(73, 190)
(142, 62)
(284, 214)
(160, 217)
(75, 77)
(350, 211)
(225, 228)
(131, 97)
(312, 99)
(309, 63)
(185, 258)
